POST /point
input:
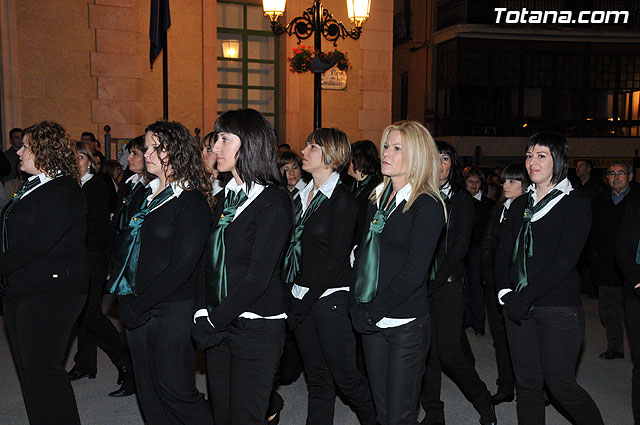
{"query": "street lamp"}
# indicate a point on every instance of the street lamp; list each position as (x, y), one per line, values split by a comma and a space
(318, 21)
(231, 49)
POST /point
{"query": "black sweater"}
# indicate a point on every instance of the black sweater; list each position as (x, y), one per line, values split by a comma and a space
(47, 252)
(454, 241)
(558, 239)
(407, 245)
(172, 240)
(327, 241)
(99, 206)
(254, 245)
(627, 245)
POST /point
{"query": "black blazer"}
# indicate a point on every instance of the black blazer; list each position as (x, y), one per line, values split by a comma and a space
(483, 209)
(454, 240)
(327, 241)
(407, 245)
(47, 252)
(254, 246)
(172, 240)
(99, 210)
(627, 245)
(558, 239)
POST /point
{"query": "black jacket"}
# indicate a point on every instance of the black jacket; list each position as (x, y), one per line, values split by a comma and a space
(454, 240)
(47, 252)
(483, 210)
(99, 209)
(254, 245)
(407, 245)
(627, 245)
(558, 239)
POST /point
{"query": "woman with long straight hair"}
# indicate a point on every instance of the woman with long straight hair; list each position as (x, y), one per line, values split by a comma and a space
(539, 286)
(156, 275)
(241, 320)
(391, 309)
(318, 266)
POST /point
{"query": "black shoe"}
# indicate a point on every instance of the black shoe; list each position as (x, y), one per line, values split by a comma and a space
(610, 355)
(489, 418)
(75, 374)
(479, 331)
(502, 397)
(128, 388)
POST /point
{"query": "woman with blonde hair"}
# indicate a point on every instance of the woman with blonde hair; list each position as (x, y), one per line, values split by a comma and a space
(391, 308)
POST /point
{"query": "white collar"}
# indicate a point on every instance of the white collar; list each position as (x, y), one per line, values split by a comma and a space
(446, 189)
(326, 188)
(43, 179)
(402, 195)
(85, 178)
(478, 195)
(135, 178)
(256, 190)
(217, 186)
(178, 188)
(564, 186)
(300, 185)
(507, 203)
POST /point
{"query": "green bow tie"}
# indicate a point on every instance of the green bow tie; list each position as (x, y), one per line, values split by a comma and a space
(123, 213)
(125, 267)
(9, 207)
(216, 270)
(523, 247)
(366, 286)
(293, 258)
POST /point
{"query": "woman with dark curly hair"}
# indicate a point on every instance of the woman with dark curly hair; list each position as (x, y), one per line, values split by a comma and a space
(157, 273)
(44, 270)
(240, 322)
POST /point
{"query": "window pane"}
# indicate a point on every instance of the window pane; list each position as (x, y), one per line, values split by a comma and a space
(223, 37)
(256, 19)
(260, 47)
(261, 74)
(261, 100)
(230, 15)
(229, 99)
(229, 72)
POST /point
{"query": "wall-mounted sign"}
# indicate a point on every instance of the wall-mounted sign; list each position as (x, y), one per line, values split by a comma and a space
(334, 79)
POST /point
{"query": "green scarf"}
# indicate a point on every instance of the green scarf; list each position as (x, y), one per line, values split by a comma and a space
(366, 285)
(125, 267)
(123, 213)
(523, 247)
(216, 269)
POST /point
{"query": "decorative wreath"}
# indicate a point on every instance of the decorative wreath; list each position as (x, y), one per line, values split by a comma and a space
(303, 60)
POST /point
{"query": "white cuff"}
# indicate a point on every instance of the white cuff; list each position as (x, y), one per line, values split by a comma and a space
(202, 313)
(501, 293)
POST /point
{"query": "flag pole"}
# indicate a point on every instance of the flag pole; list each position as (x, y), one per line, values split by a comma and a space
(165, 78)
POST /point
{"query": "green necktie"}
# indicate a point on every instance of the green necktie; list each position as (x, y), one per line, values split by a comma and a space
(123, 214)
(523, 247)
(124, 281)
(10, 205)
(216, 269)
(366, 285)
(293, 258)
(434, 265)
(358, 187)
(638, 254)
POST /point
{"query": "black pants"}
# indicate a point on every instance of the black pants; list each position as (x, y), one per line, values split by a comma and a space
(475, 312)
(545, 348)
(396, 362)
(506, 380)
(240, 371)
(449, 351)
(328, 347)
(94, 328)
(39, 330)
(611, 308)
(632, 309)
(164, 367)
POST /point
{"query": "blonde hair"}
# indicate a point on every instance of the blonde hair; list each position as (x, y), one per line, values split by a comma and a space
(336, 149)
(423, 161)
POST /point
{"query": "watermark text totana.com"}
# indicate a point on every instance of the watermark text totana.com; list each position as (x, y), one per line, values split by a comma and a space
(525, 16)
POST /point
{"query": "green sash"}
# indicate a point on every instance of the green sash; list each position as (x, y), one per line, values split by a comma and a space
(123, 214)
(366, 285)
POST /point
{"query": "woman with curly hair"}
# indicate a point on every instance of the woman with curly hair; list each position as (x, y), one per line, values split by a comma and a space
(157, 273)
(241, 322)
(44, 270)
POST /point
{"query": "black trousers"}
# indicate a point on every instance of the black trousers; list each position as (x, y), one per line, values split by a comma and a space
(39, 330)
(611, 308)
(240, 371)
(396, 363)
(328, 347)
(632, 309)
(545, 348)
(450, 351)
(506, 379)
(475, 310)
(94, 328)
(164, 367)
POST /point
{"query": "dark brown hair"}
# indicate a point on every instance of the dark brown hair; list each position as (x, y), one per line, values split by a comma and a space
(53, 150)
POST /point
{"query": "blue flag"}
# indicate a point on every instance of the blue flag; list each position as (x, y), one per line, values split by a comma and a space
(158, 25)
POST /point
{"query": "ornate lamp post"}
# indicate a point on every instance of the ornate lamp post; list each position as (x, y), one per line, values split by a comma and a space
(318, 21)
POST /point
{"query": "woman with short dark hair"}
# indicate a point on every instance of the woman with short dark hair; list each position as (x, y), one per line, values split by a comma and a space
(43, 262)
(241, 321)
(290, 166)
(539, 286)
(157, 272)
